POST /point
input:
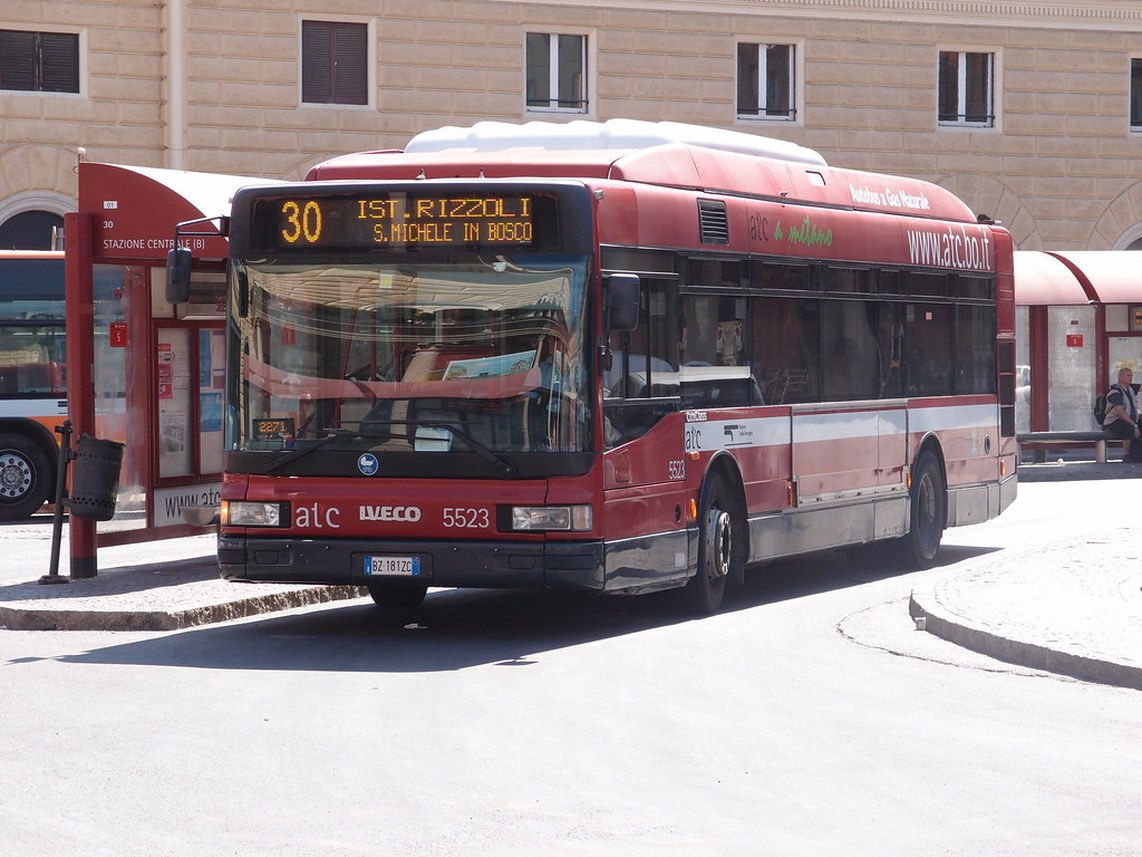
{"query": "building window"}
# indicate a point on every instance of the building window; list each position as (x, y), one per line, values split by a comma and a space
(1136, 95)
(334, 62)
(557, 72)
(967, 89)
(39, 62)
(765, 82)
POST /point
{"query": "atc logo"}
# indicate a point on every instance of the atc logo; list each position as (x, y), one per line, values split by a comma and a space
(368, 464)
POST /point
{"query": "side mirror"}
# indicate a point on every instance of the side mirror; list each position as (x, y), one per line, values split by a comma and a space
(622, 301)
(178, 275)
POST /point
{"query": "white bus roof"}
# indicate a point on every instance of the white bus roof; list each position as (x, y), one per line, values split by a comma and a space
(612, 135)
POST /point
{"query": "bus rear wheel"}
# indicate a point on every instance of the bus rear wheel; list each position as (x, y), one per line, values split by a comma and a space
(929, 513)
(25, 477)
(397, 593)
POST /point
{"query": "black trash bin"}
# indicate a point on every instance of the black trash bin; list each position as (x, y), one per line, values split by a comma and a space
(95, 478)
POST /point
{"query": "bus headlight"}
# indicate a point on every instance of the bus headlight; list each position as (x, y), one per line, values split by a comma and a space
(250, 513)
(541, 518)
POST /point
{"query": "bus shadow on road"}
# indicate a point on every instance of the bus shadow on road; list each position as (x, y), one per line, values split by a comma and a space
(811, 574)
(455, 629)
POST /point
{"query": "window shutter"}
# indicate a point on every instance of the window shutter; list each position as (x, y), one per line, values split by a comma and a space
(350, 57)
(60, 56)
(334, 63)
(17, 60)
(316, 62)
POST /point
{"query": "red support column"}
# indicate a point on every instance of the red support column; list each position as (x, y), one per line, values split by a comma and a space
(80, 300)
(1102, 367)
(1039, 355)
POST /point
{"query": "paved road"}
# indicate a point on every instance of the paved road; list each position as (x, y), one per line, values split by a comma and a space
(809, 718)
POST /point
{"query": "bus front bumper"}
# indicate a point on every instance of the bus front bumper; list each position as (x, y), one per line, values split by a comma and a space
(503, 564)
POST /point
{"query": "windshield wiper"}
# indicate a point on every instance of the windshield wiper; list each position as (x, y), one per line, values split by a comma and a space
(295, 454)
(500, 464)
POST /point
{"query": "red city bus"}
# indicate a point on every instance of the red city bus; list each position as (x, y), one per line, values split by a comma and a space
(617, 356)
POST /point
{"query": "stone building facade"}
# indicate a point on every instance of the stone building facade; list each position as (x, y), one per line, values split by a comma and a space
(1030, 111)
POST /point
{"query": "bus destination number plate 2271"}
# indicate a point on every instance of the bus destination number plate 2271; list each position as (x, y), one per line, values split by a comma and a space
(392, 566)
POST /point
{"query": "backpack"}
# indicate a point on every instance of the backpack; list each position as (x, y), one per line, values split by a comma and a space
(1100, 408)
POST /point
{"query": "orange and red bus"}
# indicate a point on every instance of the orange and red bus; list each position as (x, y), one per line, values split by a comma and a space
(620, 357)
(33, 374)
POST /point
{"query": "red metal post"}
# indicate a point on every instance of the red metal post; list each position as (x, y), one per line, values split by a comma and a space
(1102, 367)
(1039, 356)
(80, 301)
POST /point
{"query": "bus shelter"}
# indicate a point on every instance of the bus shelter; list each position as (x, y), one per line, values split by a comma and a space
(142, 371)
(1078, 321)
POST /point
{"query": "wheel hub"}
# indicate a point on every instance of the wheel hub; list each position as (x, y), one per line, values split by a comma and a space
(722, 535)
(15, 476)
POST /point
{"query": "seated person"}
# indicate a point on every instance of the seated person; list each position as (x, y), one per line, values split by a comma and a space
(1121, 419)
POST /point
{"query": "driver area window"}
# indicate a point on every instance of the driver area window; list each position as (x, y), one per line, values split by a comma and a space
(642, 383)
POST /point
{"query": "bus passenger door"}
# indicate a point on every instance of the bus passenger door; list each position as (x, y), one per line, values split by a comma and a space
(644, 463)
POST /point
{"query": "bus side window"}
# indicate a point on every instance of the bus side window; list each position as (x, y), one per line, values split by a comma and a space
(650, 349)
(890, 347)
(784, 349)
(929, 352)
(701, 340)
(849, 349)
(644, 364)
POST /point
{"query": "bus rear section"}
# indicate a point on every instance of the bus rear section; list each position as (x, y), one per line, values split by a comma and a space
(33, 375)
(623, 378)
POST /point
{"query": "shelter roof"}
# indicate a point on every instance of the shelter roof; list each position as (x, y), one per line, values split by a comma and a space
(136, 209)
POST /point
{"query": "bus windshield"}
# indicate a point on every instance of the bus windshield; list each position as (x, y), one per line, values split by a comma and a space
(483, 356)
(32, 336)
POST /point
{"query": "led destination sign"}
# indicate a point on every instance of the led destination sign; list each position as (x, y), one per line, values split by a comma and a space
(400, 220)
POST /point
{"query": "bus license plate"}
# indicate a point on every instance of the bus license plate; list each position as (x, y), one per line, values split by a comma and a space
(392, 566)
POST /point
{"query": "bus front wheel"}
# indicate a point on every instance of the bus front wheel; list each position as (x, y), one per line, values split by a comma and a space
(720, 548)
(25, 476)
(397, 593)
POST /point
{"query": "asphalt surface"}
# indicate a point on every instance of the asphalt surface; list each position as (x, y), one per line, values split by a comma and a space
(1066, 608)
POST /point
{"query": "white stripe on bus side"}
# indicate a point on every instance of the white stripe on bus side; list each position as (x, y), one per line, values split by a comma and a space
(715, 435)
(33, 407)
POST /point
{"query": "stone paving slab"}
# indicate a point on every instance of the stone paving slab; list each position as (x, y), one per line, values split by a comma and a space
(1073, 608)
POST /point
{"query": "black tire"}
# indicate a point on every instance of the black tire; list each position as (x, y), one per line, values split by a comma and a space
(397, 593)
(721, 547)
(26, 477)
(928, 515)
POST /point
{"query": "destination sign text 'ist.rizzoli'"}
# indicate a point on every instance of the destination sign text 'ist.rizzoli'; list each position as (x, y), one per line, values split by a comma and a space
(360, 221)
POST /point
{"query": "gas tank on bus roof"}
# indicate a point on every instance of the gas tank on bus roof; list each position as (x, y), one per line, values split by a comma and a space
(578, 148)
(667, 154)
(613, 135)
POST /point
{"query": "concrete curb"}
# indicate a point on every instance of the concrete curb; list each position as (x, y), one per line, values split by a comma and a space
(31, 619)
(155, 597)
(996, 608)
(1074, 471)
(1023, 654)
